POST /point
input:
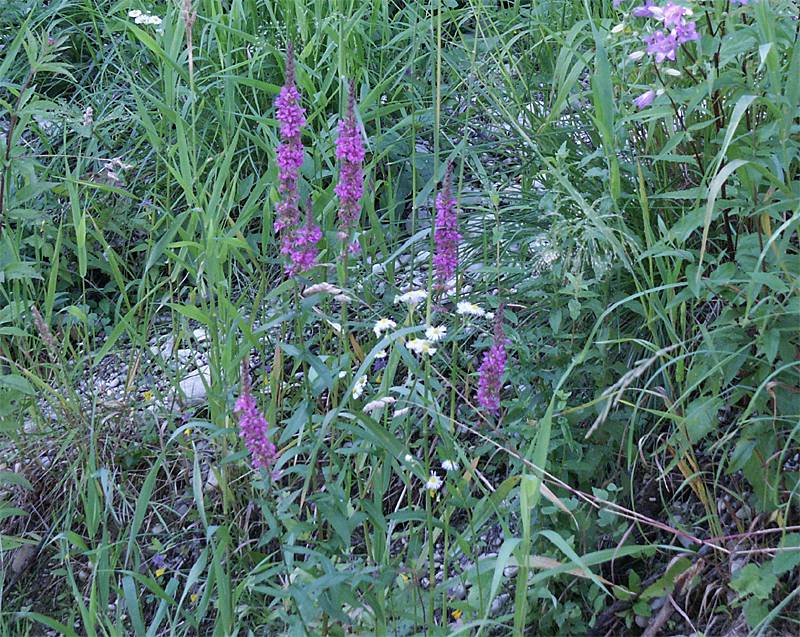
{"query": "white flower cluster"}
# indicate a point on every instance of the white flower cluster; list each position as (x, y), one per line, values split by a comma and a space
(412, 297)
(358, 389)
(465, 308)
(420, 346)
(383, 325)
(140, 17)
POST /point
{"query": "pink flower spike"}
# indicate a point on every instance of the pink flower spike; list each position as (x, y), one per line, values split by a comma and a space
(445, 234)
(295, 240)
(490, 379)
(350, 189)
(253, 427)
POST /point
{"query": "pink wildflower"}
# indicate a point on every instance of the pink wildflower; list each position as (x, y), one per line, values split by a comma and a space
(253, 427)
(445, 235)
(350, 189)
(490, 380)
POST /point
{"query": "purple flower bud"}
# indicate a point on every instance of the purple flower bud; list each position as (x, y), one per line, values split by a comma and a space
(253, 427)
(644, 10)
(445, 233)
(645, 99)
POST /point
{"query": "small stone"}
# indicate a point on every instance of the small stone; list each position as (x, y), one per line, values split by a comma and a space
(498, 603)
(510, 571)
(29, 427)
(458, 592)
(194, 386)
(212, 482)
(114, 382)
(200, 335)
(23, 556)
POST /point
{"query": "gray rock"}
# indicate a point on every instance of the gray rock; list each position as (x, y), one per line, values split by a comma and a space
(194, 387)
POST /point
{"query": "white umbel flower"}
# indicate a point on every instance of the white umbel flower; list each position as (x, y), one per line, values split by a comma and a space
(134, 13)
(420, 346)
(465, 308)
(434, 482)
(358, 389)
(412, 297)
(383, 325)
(434, 334)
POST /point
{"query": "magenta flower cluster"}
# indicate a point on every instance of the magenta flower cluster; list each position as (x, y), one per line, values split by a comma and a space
(350, 189)
(445, 235)
(253, 427)
(493, 366)
(297, 241)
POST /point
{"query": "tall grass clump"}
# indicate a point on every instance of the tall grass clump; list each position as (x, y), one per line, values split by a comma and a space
(383, 318)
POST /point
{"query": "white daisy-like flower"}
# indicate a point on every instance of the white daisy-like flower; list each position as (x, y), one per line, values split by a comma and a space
(380, 354)
(434, 482)
(469, 309)
(383, 325)
(321, 288)
(358, 389)
(134, 13)
(412, 297)
(154, 20)
(420, 346)
(449, 465)
(434, 334)
(401, 412)
(408, 457)
(379, 403)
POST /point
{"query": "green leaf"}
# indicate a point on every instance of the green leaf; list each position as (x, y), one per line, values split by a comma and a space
(754, 580)
(701, 417)
(17, 383)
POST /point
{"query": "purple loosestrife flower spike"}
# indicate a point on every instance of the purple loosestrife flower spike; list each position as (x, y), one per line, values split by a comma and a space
(303, 253)
(350, 189)
(445, 234)
(253, 426)
(493, 366)
(291, 117)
